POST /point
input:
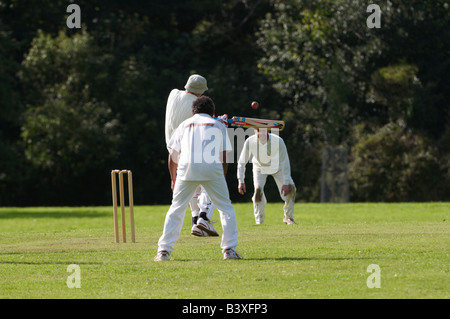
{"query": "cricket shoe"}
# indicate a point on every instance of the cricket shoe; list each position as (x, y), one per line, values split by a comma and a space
(198, 232)
(230, 253)
(289, 221)
(162, 255)
(206, 226)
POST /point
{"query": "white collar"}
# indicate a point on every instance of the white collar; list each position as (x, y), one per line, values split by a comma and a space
(203, 115)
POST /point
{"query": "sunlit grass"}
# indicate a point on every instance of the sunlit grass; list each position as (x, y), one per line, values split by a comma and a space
(325, 255)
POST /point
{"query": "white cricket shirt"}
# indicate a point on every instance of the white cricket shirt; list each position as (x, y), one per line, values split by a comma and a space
(267, 158)
(199, 141)
(178, 109)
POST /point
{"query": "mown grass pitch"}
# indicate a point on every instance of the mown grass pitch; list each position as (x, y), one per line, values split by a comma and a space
(325, 255)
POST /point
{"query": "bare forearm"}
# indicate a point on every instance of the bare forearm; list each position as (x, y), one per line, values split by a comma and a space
(172, 168)
(224, 163)
(225, 168)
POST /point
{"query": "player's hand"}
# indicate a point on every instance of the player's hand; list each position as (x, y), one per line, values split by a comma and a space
(241, 188)
(172, 184)
(285, 190)
(223, 119)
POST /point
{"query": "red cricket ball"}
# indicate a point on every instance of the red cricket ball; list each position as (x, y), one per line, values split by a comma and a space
(255, 105)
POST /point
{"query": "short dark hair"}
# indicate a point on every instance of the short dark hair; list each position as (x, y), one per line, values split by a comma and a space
(203, 104)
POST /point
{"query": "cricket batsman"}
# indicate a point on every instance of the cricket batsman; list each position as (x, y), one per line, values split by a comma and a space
(179, 109)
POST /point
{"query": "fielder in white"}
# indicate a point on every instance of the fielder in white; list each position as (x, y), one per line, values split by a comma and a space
(179, 109)
(197, 157)
(269, 156)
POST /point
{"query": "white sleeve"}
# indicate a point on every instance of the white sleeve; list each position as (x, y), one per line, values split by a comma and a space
(169, 128)
(175, 141)
(243, 159)
(284, 163)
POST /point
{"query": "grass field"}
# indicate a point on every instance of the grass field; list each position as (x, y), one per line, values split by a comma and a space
(325, 255)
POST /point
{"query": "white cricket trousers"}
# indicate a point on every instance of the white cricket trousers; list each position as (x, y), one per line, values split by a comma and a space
(182, 194)
(259, 198)
(201, 202)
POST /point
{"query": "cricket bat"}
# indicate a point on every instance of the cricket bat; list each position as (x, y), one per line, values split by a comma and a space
(248, 122)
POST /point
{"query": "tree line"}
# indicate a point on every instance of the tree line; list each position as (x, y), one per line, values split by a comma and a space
(76, 103)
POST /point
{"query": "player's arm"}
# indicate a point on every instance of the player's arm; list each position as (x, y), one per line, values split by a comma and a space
(285, 167)
(173, 164)
(224, 162)
(174, 150)
(241, 188)
(243, 159)
(225, 147)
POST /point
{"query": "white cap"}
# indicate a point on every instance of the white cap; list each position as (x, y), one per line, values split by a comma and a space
(196, 84)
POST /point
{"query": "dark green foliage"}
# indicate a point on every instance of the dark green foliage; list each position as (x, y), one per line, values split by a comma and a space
(94, 99)
(13, 173)
(395, 165)
(75, 104)
(336, 73)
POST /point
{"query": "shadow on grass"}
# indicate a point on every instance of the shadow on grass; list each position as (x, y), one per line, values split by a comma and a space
(32, 254)
(304, 258)
(281, 259)
(49, 263)
(43, 213)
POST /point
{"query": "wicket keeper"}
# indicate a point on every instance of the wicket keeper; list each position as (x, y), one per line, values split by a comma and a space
(269, 156)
